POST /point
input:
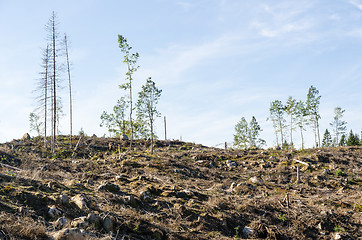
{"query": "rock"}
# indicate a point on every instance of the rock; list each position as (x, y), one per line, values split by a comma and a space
(231, 164)
(64, 199)
(26, 137)
(69, 234)
(93, 218)
(53, 212)
(80, 201)
(60, 223)
(256, 180)
(110, 187)
(247, 231)
(123, 137)
(273, 159)
(145, 195)
(107, 223)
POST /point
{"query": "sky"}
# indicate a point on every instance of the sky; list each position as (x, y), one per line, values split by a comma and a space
(216, 61)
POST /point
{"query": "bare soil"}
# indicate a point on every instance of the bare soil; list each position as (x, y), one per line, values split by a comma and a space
(181, 191)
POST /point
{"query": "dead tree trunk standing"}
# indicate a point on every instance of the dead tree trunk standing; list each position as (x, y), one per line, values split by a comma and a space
(164, 121)
(70, 91)
(54, 81)
(46, 64)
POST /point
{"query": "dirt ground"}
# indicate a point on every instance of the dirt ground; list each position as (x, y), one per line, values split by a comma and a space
(181, 191)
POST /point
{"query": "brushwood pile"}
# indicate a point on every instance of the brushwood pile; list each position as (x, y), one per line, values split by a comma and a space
(103, 189)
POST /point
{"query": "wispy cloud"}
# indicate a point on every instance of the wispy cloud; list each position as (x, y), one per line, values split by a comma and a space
(356, 3)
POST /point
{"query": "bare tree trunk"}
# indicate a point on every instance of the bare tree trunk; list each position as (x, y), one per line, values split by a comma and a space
(46, 95)
(70, 91)
(301, 134)
(151, 136)
(131, 104)
(54, 85)
(164, 121)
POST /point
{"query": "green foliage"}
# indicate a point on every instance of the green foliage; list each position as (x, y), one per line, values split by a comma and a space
(247, 135)
(301, 120)
(130, 59)
(35, 125)
(343, 141)
(291, 110)
(146, 105)
(116, 122)
(353, 139)
(282, 218)
(339, 126)
(327, 139)
(339, 173)
(312, 108)
(277, 117)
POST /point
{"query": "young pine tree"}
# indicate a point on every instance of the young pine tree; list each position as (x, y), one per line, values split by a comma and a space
(327, 139)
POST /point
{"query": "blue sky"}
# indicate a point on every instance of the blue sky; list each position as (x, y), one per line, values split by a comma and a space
(215, 60)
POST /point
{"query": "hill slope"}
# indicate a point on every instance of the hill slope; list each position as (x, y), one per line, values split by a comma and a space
(182, 191)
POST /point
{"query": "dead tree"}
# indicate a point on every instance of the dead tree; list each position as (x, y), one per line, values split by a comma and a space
(53, 38)
(70, 89)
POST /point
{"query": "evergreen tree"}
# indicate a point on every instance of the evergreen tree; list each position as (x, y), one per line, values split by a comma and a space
(353, 139)
(254, 132)
(339, 126)
(327, 139)
(343, 141)
(242, 134)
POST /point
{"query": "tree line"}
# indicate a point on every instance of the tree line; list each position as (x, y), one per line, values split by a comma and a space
(292, 116)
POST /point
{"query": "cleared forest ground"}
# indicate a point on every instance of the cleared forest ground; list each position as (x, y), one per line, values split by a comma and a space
(182, 191)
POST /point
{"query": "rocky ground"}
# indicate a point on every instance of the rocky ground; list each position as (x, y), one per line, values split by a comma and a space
(181, 191)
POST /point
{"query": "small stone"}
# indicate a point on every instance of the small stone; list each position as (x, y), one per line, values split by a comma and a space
(93, 218)
(256, 180)
(247, 231)
(110, 187)
(145, 195)
(231, 164)
(107, 224)
(64, 199)
(123, 137)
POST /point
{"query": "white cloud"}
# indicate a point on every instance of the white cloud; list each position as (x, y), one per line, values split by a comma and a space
(356, 3)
